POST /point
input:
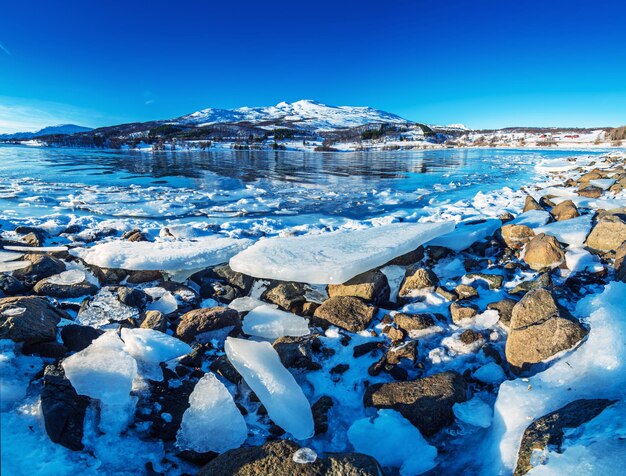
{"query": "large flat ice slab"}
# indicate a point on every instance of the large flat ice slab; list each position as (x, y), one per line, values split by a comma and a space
(466, 234)
(169, 256)
(212, 422)
(333, 258)
(261, 368)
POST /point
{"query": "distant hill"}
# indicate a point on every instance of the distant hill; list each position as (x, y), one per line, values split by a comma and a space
(61, 129)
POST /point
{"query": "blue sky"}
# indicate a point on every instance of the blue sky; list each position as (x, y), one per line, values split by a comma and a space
(482, 63)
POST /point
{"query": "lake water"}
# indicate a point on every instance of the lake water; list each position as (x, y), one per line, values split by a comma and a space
(284, 188)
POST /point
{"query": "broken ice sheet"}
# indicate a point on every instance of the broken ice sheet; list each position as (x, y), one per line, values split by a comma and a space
(269, 322)
(103, 308)
(261, 368)
(212, 422)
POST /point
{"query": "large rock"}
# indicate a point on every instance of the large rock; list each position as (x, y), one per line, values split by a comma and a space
(608, 234)
(29, 319)
(543, 251)
(347, 312)
(590, 191)
(289, 296)
(204, 320)
(275, 458)
(549, 430)
(414, 323)
(370, 286)
(564, 211)
(297, 352)
(77, 337)
(531, 204)
(9, 285)
(538, 331)
(51, 287)
(155, 320)
(516, 236)
(41, 267)
(418, 281)
(62, 408)
(426, 402)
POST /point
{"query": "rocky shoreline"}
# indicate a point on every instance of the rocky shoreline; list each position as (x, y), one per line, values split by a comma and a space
(400, 366)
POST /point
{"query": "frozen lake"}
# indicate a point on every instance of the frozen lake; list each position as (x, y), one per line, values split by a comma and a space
(286, 188)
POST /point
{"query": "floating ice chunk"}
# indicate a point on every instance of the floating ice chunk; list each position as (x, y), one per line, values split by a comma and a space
(163, 255)
(149, 345)
(572, 232)
(212, 422)
(466, 234)
(476, 412)
(531, 218)
(247, 303)
(261, 368)
(333, 258)
(68, 278)
(604, 184)
(304, 456)
(599, 364)
(490, 373)
(105, 371)
(393, 441)
(579, 259)
(271, 323)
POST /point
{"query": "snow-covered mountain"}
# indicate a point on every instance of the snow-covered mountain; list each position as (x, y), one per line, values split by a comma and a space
(46, 131)
(303, 114)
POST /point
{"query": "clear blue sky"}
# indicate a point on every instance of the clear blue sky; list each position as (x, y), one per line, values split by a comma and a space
(483, 63)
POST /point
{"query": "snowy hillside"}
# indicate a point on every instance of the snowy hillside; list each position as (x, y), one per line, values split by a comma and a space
(304, 114)
(50, 130)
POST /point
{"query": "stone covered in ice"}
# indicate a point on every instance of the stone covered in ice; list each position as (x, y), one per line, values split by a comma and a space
(162, 255)
(105, 307)
(333, 258)
(149, 345)
(105, 371)
(393, 441)
(68, 278)
(466, 234)
(271, 323)
(212, 422)
(261, 368)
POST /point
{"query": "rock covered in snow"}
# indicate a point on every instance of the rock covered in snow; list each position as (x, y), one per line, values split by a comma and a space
(212, 422)
(261, 368)
(333, 258)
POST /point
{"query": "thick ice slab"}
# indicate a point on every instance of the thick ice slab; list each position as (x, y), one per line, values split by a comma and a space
(149, 345)
(261, 368)
(572, 232)
(466, 234)
(212, 422)
(162, 255)
(105, 371)
(271, 323)
(531, 218)
(333, 258)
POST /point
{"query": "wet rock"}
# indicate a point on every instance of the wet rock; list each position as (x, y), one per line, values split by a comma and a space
(29, 319)
(465, 292)
(132, 297)
(460, 313)
(171, 399)
(154, 320)
(347, 312)
(549, 430)
(418, 281)
(140, 277)
(406, 351)
(370, 286)
(544, 280)
(222, 367)
(320, 411)
(42, 266)
(366, 348)
(505, 310)
(426, 402)
(565, 211)
(516, 236)
(590, 191)
(10, 286)
(199, 321)
(289, 296)
(238, 280)
(531, 204)
(608, 234)
(408, 259)
(538, 331)
(297, 352)
(543, 251)
(62, 408)
(51, 349)
(48, 287)
(276, 458)
(76, 337)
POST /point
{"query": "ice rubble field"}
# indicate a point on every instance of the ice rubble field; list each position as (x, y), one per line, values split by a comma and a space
(113, 366)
